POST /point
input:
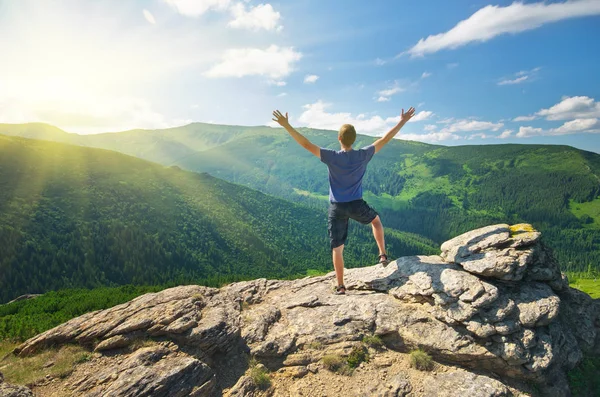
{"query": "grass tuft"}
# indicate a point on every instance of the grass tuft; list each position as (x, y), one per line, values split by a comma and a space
(373, 341)
(420, 360)
(358, 355)
(83, 358)
(28, 370)
(259, 374)
(333, 362)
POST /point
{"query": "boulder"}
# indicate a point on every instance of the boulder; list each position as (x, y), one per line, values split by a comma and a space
(462, 383)
(151, 371)
(497, 251)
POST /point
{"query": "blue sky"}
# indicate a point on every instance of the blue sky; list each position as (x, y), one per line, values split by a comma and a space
(478, 72)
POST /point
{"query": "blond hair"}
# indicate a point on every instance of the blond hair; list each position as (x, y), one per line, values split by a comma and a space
(347, 135)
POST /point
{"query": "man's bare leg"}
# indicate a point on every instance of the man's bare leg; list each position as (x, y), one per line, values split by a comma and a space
(378, 234)
(338, 264)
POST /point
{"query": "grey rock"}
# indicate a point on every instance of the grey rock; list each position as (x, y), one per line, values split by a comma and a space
(537, 304)
(397, 386)
(244, 387)
(151, 371)
(492, 251)
(298, 359)
(8, 390)
(505, 264)
(462, 383)
(115, 342)
(260, 319)
(475, 241)
(23, 297)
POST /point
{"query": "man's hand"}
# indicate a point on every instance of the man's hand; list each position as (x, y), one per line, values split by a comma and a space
(280, 118)
(305, 143)
(381, 142)
(408, 115)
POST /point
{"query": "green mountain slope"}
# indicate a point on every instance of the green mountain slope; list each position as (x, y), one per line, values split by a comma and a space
(72, 216)
(431, 190)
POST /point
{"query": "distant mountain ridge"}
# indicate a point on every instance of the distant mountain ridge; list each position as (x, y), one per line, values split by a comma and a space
(431, 190)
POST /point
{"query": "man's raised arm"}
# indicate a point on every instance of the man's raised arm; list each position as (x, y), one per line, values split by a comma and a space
(391, 133)
(301, 139)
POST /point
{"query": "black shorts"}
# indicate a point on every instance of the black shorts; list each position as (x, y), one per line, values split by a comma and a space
(338, 215)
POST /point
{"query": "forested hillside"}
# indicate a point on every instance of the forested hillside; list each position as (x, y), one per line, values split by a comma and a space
(80, 217)
(431, 190)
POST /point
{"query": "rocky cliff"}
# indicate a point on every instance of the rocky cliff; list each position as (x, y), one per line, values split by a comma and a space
(493, 310)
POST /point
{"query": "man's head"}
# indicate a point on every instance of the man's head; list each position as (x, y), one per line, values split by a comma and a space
(347, 135)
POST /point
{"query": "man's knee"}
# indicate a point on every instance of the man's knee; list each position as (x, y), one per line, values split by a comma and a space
(376, 221)
(338, 248)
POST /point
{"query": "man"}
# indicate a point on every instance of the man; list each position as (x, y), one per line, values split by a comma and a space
(346, 170)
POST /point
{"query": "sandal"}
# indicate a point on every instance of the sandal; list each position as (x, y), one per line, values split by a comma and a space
(340, 290)
(383, 259)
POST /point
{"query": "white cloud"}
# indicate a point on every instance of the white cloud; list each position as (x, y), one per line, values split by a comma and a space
(274, 62)
(524, 118)
(316, 116)
(425, 75)
(149, 17)
(577, 107)
(280, 83)
(422, 115)
(505, 134)
(263, 16)
(513, 81)
(520, 77)
(310, 78)
(491, 21)
(480, 135)
(380, 62)
(282, 94)
(384, 95)
(391, 91)
(575, 126)
(471, 125)
(526, 132)
(430, 127)
(446, 120)
(452, 65)
(195, 8)
(431, 137)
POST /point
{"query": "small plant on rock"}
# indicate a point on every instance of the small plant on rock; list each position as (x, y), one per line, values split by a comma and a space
(373, 341)
(420, 360)
(338, 364)
(358, 355)
(83, 357)
(259, 374)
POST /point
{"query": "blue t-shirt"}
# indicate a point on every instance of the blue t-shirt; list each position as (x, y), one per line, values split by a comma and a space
(346, 171)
